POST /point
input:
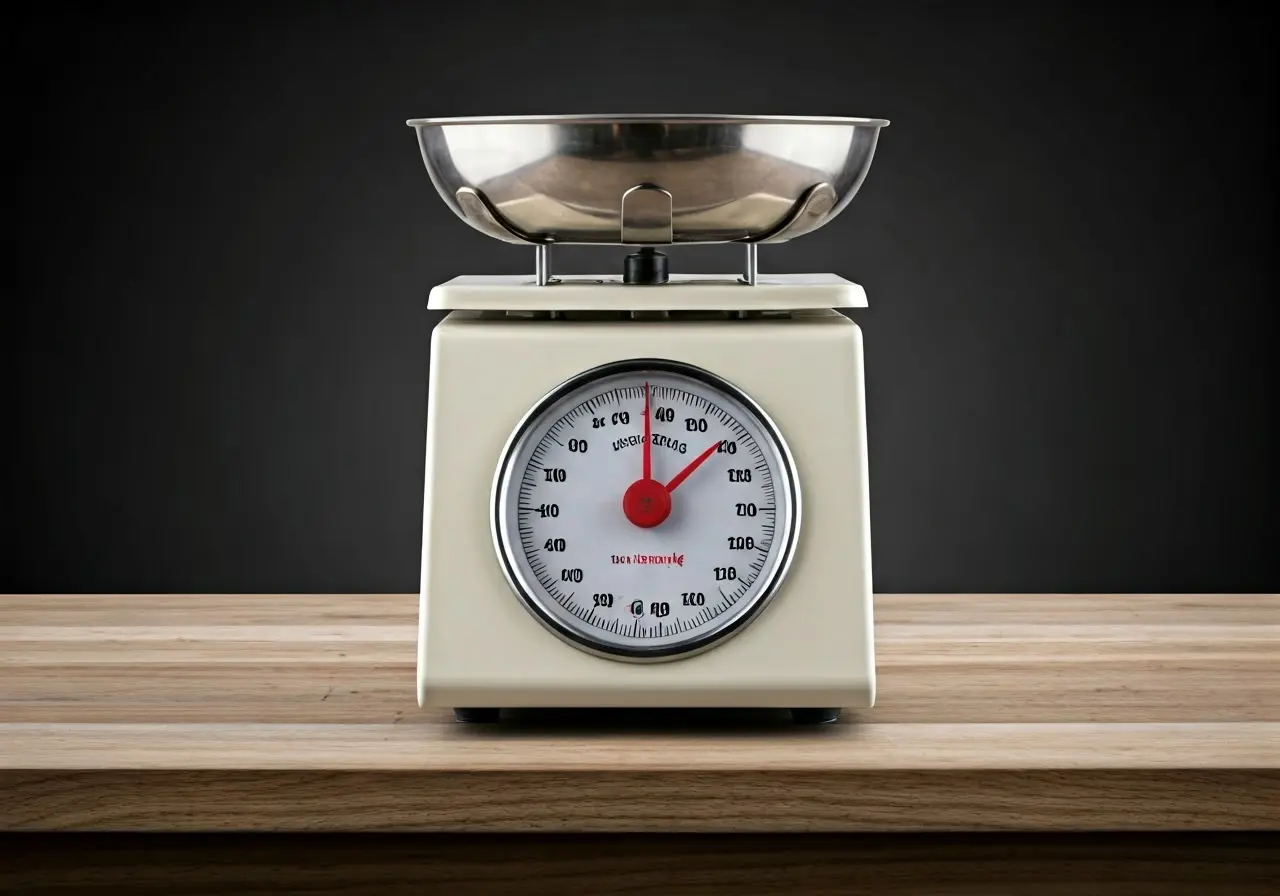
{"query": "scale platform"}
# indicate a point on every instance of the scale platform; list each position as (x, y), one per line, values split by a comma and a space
(689, 292)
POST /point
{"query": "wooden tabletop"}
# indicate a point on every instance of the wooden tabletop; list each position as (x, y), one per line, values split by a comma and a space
(297, 713)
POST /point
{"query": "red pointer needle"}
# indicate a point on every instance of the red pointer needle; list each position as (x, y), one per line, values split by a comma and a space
(646, 450)
(693, 465)
(647, 502)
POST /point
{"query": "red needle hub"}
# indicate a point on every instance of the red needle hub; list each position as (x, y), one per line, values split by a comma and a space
(646, 502)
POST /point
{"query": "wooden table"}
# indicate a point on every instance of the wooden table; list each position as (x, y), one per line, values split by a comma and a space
(1036, 717)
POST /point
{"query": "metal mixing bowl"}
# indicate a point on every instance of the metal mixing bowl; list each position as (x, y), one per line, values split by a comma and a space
(647, 179)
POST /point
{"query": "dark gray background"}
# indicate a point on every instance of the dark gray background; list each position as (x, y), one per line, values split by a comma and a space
(218, 350)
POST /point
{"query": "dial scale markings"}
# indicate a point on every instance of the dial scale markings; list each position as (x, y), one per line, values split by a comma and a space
(592, 570)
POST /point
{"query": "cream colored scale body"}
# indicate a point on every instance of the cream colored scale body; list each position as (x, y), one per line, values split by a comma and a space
(800, 361)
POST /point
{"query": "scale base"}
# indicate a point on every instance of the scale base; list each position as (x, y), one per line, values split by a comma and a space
(479, 648)
(807, 716)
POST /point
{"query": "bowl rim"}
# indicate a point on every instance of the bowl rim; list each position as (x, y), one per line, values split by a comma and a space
(675, 118)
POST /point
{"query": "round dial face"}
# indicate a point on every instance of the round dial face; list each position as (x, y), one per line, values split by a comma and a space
(645, 510)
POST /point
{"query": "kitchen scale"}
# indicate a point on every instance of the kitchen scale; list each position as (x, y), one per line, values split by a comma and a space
(646, 489)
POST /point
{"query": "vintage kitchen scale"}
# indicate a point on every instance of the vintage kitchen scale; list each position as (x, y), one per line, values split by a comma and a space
(616, 465)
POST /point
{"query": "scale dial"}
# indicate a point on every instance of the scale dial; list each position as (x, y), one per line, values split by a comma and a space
(645, 510)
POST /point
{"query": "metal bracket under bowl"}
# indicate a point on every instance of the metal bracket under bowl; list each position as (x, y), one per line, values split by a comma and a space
(646, 220)
(477, 211)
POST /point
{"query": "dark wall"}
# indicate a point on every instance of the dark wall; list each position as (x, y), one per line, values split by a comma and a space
(217, 354)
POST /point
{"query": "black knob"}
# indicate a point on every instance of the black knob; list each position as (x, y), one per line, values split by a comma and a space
(648, 266)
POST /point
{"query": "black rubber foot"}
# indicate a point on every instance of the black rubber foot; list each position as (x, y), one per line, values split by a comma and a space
(814, 716)
(476, 716)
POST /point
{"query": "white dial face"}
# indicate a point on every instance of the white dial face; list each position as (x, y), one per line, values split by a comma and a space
(646, 548)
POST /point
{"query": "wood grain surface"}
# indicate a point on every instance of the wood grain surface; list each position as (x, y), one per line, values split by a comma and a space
(297, 713)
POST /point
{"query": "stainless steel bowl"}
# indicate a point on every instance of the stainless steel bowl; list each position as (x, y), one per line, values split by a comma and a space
(647, 179)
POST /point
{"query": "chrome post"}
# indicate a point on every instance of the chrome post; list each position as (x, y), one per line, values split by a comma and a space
(542, 263)
(749, 277)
